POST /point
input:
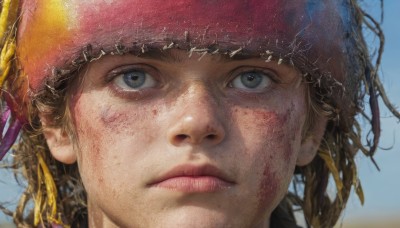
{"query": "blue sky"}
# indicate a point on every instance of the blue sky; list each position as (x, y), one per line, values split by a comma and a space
(382, 188)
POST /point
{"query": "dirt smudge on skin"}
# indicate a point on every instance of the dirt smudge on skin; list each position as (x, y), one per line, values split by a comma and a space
(276, 122)
(293, 130)
(115, 121)
(90, 152)
(268, 187)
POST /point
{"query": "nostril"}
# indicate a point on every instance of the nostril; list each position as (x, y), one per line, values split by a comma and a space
(181, 137)
(211, 137)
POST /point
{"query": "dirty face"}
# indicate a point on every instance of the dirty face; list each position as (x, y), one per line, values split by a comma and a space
(174, 141)
(53, 33)
(170, 138)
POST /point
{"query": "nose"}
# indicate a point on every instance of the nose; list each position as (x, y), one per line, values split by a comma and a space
(197, 120)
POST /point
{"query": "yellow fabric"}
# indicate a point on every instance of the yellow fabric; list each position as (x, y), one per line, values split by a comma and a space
(7, 53)
(4, 17)
(7, 43)
(45, 177)
(330, 163)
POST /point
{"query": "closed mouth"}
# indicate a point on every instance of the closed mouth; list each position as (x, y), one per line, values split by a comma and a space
(190, 179)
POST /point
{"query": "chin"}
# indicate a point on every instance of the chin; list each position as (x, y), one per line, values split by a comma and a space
(194, 217)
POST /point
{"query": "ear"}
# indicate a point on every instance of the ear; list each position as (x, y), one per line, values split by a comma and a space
(310, 144)
(59, 143)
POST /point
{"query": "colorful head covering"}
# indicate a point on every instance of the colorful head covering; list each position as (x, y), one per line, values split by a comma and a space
(55, 37)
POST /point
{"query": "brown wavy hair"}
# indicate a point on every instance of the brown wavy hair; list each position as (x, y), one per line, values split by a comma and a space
(54, 193)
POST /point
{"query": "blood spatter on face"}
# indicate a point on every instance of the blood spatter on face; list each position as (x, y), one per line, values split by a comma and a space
(275, 127)
(280, 126)
(115, 121)
(268, 188)
(264, 116)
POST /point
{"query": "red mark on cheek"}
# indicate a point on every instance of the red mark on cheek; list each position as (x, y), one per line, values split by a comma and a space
(284, 129)
(268, 189)
(270, 118)
(115, 121)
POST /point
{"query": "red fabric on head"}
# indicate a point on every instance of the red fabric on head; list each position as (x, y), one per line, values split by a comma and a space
(313, 28)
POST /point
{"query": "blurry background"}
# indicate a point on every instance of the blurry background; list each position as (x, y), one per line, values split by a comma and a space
(381, 189)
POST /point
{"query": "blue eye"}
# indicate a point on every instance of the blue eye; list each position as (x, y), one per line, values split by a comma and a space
(251, 81)
(134, 80)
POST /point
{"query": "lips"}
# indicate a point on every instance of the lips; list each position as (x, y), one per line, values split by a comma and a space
(192, 179)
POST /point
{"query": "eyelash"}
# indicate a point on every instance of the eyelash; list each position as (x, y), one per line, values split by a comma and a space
(132, 94)
(271, 75)
(154, 73)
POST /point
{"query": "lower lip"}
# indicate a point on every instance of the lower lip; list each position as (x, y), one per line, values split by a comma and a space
(192, 184)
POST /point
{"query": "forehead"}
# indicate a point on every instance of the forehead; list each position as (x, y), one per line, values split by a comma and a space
(53, 32)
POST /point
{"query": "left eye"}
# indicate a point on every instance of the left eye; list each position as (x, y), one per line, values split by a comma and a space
(134, 80)
(251, 81)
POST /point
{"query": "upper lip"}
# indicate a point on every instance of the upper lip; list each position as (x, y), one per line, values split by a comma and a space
(188, 170)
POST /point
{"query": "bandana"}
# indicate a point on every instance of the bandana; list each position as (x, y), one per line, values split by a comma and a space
(53, 33)
(55, 36)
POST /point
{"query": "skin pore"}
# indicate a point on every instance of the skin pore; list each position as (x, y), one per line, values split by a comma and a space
(241, 117)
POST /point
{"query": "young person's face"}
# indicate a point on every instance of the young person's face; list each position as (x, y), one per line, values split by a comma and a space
(180, 140)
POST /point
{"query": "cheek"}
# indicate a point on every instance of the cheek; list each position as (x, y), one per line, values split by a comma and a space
(271, 134)
(108, 135)
(89, 141)
(268, 188)
(116, 121)
(274, 138)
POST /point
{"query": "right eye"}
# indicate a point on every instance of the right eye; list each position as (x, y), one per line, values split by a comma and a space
(134, 80)
(251, 81)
